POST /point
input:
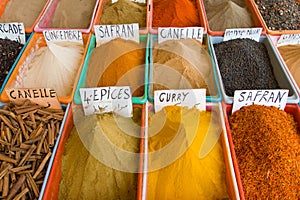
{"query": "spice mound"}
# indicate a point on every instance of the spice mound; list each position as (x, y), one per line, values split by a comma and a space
(175, 13)
(124, 12)
(244, 64)
(28, 134)
(182, 64)
(188, 176)
(118, 63)
(267, 145)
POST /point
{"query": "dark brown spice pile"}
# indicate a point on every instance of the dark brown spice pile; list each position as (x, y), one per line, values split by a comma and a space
(267, 145)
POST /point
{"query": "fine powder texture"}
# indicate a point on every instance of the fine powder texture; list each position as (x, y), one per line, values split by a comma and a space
(267, 146)
(175, 13)
(73, 14)
(54, 66)
(124, 12)
(188, 177)
(26, 11)
(182, 64)
(227, 14)
(118, 63)
(290, 55)
(244, 64)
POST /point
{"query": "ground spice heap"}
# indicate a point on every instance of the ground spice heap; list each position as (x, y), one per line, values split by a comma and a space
(267, 145)
(9, 51)
(244, 64)
(28, 134)
(280, 14)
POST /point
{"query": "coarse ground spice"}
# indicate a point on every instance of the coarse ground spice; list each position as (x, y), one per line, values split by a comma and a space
(267, 145)
(280, 14)
(175, 13)
(244, 64)
(9, 51)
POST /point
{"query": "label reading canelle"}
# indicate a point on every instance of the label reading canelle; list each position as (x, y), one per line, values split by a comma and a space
(63, 36)
(175, 33)
(277, 98)
(251, 33)
(190, 98)
(13, 31)
(107, 99)
(46, 97)
(287, 39)
(106, 33)
(138, 1)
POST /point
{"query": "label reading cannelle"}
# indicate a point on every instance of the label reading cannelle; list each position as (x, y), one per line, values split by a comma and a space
(277, 98)
(287, 39)
(13, 31)
(251, 33)
(63, 36)
(190, 98)
(106, 33)
(177, 33)
(107, 99)
(46, 97)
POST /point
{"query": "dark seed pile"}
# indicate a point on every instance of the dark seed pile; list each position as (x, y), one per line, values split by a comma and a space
(280, 14)
(9, 51)
(244, 65)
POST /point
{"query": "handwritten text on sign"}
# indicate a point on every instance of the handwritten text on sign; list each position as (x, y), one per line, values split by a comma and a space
(174, 33)
(63, 35)
(107, 99)
(191, 98)
(277, 98)
(251, 33)
(13, 31)
(286, 39)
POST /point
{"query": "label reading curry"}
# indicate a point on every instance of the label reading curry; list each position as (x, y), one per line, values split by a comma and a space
(177, 33)
(287, 39)
(251, 33)
(13, 31)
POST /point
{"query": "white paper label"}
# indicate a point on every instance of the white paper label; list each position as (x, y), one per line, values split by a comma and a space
(190, 98)
(105, 33)
(175, 33)
(251, 33)
(13, 31)
(107, 99)
(277, 98)
(138, 1)
(63, 35)
(288, 39)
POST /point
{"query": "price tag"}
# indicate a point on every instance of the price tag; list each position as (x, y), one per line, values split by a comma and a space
(63, 36)
(107, 99)
(288, 39)
(190, 98)
(251, 33)
(106, 33)
(138, 1)
(46, 97)
(174, 33)
(277, 98)
(13, 31)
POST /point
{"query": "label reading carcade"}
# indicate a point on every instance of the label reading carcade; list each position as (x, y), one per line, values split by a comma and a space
(287, 39)
(277, 98)
(105, 33)
(107, 99)
(251, 33)
(63, 35)
(174, 33)
(13, 31)
(190, 98)
(46, 97)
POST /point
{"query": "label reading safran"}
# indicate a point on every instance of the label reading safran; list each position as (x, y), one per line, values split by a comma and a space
(107, 99)
(13, 31)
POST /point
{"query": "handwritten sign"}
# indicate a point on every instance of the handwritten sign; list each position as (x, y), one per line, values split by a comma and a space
(277, 98)
(138, 1)
(174, 33)
(46, 97)
(190, 98)
(63, 35)
(251, 33)
(13, 31)
(288, 39)
(105, 33)
(107, 99)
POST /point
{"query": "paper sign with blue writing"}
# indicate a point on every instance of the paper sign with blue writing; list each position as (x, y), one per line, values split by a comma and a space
(106, 33)
(13, 31)
(177, 33)
(287, 39)
(46, 97)
(190, 98)
(251, 33)
(63, 36)
(277, 98)
(138, 1)
(117, 99)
